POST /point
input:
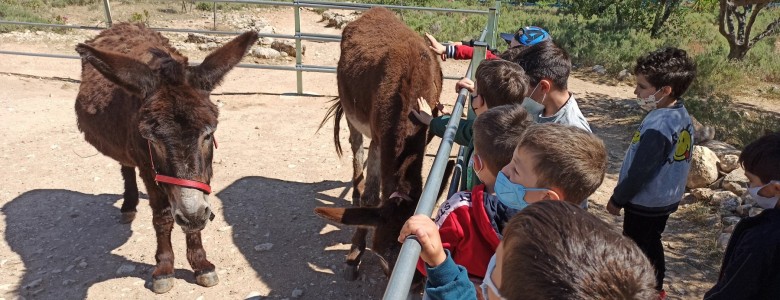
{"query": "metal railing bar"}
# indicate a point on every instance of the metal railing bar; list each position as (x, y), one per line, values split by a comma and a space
(361, 6)
(52, 25)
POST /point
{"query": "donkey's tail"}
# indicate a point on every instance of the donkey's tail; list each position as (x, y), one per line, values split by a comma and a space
(337, 111)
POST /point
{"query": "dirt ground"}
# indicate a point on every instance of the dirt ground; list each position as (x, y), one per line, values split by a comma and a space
(60, 198)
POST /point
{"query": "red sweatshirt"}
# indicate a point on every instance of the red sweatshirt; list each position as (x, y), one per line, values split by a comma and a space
(464, 52)
(466, 231)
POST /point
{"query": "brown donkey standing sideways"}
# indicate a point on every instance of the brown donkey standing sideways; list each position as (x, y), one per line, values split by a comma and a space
(141, 104)
(379, 83)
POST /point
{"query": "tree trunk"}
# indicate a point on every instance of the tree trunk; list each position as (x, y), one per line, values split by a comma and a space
(737, 52)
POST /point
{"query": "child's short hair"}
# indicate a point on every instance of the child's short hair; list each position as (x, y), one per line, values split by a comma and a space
(583, 257)
(497, 133)
(545, 60)
(501, 82)
(668, 67)
(568, 158)
(762, 157)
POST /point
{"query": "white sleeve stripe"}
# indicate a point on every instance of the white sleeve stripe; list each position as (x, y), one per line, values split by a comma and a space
(456, 201)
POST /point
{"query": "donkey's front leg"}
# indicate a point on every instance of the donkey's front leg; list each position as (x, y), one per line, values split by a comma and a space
(196, 255)
(162, 277)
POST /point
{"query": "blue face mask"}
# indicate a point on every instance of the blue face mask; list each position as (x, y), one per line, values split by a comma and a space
(512, 194)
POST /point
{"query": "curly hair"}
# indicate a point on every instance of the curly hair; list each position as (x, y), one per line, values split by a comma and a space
(668, 67)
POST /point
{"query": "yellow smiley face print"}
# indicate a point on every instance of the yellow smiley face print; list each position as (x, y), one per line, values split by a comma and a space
(684, 146)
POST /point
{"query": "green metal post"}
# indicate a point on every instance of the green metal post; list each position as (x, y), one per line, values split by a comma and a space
(490, 39)
(298, 52)
(107, 6)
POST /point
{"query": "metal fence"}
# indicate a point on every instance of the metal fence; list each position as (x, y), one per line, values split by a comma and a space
(299, 36)
(401, 277)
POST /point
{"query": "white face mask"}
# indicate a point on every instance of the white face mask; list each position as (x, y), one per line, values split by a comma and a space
(649, 103)
(531, 106)
(763, 202)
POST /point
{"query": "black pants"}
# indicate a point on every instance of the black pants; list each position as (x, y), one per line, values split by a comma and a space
(646, 232)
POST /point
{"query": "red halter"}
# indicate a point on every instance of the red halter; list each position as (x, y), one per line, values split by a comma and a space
(178, 181)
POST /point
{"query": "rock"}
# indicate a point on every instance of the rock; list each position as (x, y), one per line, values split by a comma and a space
(730, 204)
(743, 210)
(265, 53)
(125, 269)
(198, 38)
(716, 185)
(33, 284)
(297, 293)
(287, 46)
(338, 20)
(747, 199)
(624, 75)
(723, 241)
(732, 220)
(264, 247)
(208, 46)
(704, 168)
(688, 198)
(599, 69)
(253, 295)
(728, 163)
(755, 211)
(736, 181)
(702, 194)
(719, 197)
(729, 229)
(83, 264)
(200, 298)
(721, 148)
(266, 41)
(704, 133)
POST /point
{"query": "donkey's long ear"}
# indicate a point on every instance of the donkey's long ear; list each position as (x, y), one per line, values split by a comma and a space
(361, 216)
(209, 74)
(129, 73)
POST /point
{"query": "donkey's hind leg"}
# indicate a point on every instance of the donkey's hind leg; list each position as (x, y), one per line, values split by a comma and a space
(358, 184)
(130, 196)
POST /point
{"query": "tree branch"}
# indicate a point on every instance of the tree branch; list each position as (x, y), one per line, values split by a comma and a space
(772, 28)
(756, 8)
(724, 19)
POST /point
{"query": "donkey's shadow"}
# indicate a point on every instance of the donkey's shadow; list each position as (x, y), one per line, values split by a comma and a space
(65, 240)
(289, 248)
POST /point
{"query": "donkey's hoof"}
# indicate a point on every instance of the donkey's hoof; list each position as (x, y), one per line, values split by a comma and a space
(127, 217)
(350, 272)
(162, 285)
(207, 279)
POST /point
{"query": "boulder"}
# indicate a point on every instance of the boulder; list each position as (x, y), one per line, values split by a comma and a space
(704, 133)
(287, 46)
(704, 168)
(743, 210)
(731, 220)
(599, 69)
(729, 229)
(702, 194)
(736, 182)
(624, 75)
(719, 197)
(198, 38)
(721, 148)
(688, 198)
(728, 163)
(265, 53)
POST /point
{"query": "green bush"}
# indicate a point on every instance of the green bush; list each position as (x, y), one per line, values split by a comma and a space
(734, 125)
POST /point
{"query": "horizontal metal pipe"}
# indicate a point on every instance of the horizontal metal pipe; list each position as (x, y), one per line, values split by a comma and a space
(361, 6)
(51, 25)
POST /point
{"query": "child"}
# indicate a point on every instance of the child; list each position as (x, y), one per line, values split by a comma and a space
(524, 37)
(540, 168)
(471, 222)
(751, 265)
(655, 169)
(551, 250)
(548, 66)
(499, 82)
